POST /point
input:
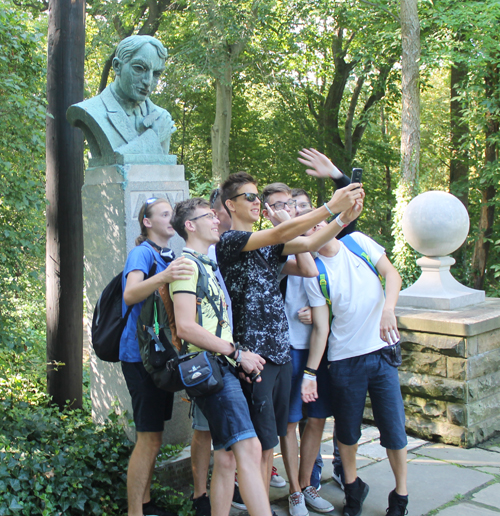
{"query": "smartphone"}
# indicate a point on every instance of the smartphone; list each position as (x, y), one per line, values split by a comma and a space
(357, 174)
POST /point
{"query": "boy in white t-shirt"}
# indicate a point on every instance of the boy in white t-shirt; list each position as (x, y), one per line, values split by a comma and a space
(362, 328)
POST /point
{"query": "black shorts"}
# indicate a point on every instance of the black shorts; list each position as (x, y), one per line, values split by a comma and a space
(151, 406)
(268, 401)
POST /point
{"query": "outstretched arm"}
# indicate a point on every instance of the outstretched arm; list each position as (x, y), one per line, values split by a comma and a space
(388, 323)
(342, 199)
(302, 266)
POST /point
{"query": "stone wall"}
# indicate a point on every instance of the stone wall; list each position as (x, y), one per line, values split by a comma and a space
(450, 376)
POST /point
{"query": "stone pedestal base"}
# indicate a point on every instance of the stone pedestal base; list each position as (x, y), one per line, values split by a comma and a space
(112, 197)
(437, 289)
(450, 377)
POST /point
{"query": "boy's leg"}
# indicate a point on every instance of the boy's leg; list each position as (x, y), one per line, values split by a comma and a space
(399, 466)
(309, 448)
(252, 487)
(222, 485)
(200, 461)
(348, 456)
(290, 452)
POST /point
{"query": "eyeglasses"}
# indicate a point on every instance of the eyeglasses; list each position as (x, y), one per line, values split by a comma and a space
(216, 194)
(281, 205)
(149, 201)
(210, 215)
(250, 197)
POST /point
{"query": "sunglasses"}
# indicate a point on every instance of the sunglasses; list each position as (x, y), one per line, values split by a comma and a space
(216, 194)
(250, 197)
(149, 201)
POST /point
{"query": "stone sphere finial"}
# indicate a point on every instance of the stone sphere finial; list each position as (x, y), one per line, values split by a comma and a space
(435, 223)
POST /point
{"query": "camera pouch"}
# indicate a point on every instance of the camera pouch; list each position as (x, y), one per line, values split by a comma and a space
(392, 354)
(200, 374)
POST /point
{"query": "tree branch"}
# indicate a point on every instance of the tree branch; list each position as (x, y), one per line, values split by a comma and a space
(382, 9)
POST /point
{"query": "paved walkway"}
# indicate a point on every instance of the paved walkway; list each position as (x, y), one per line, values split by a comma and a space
(442, 480)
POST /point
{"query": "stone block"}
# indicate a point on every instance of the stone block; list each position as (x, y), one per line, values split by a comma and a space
(425, 407)
(424, 363)
(456, 368)
(457, 414)
(484, 386)
(488, 341)
(484, 409)
(438, 431)
(427, 386)
(433, 343)
(483, 364)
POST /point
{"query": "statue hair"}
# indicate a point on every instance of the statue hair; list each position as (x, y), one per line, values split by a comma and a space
(129, 46)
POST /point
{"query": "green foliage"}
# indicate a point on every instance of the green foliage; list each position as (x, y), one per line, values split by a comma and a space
(22, 162)
(53, 462)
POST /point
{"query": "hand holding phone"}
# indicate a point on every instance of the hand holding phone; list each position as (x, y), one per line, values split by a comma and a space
(357, 174)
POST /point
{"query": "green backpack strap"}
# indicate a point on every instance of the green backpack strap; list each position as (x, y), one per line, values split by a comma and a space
(356, 249)
(324, 285)
(203, 290)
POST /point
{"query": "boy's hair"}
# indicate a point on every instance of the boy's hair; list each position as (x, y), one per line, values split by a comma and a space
(183, 211)
(274, 188)
(300, 191)
(231, 185)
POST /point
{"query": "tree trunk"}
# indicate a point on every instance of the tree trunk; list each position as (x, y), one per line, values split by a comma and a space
(482, 246)
(410, 116)
(64, 159)
(222, 127)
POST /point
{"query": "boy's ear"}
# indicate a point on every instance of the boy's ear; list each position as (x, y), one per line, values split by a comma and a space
(230, 205)
(190, 227)
(265, 214)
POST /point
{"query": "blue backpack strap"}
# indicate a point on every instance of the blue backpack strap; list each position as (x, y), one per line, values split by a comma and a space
(356, 249)
(324, 284)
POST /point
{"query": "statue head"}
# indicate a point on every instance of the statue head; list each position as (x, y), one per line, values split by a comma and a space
(138, 64)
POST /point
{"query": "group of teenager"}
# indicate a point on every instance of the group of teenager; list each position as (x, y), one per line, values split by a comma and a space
(290, 346)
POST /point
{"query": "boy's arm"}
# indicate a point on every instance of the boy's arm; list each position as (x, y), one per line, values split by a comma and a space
(342, 199)
(189, 330)
(319, 238)
(302, 266)
(388, 323)
(317, 344)
(137, 288)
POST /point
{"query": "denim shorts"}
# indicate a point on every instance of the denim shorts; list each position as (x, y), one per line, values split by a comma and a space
(351, 379)
(151, 406)
(199, 420)
(268, 401)
(321, 408)
(227, 412)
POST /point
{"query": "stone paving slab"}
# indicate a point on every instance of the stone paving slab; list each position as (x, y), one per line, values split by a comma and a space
(466, 509)
(489, 496)
(464, 457)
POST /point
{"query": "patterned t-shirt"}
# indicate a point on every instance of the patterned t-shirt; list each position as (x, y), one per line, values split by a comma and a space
(259, 320)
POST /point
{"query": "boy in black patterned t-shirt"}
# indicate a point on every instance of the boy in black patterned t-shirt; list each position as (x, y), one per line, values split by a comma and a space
(250, 263)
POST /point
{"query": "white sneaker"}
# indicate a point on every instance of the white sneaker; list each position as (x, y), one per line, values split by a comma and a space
(297, 505)
(277, 480)
(315, 501)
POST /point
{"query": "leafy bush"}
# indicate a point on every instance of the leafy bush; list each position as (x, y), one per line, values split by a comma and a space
(54, 463)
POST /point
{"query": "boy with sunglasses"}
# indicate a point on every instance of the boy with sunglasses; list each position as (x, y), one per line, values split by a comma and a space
(250, 263)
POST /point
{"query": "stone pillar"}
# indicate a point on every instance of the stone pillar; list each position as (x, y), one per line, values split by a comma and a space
(450, 376)
(112, 197)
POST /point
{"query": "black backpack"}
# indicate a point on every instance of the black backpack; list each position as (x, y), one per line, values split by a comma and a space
(107, 321)
(157, 335)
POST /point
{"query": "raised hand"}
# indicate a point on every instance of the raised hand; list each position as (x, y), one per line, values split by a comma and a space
(319, 165)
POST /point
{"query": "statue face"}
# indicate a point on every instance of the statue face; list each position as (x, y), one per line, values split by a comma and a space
(137, 78)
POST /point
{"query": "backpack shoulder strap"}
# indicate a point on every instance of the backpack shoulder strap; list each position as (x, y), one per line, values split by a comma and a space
(356, 249)
(203, 290)
(324, 284)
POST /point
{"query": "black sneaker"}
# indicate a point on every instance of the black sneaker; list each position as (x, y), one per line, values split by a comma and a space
(355, 495)
(237, 499)
(150, 509)
(201, 505)
(397, 504)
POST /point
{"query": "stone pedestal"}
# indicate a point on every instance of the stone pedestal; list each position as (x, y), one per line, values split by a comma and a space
(112, 197)
(450, 377)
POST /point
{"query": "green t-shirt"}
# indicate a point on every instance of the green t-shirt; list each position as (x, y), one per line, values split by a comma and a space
(209, 318)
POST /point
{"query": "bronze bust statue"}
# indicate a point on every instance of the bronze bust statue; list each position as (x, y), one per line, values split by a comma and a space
(122, 125)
